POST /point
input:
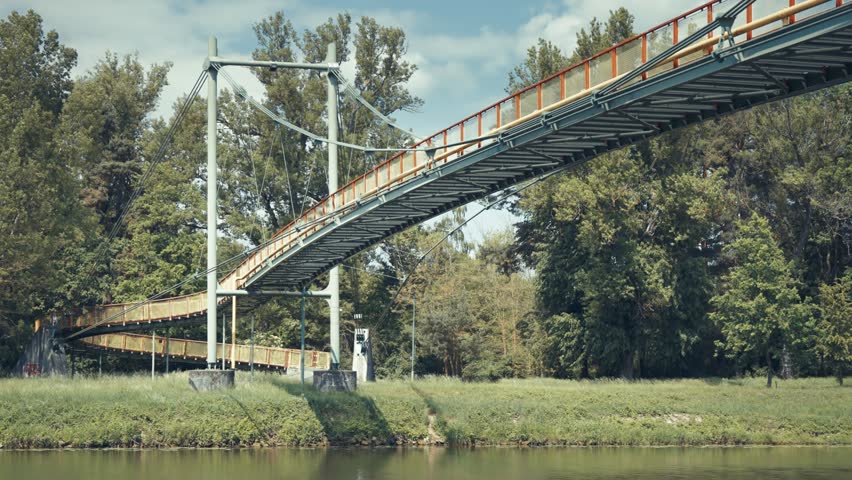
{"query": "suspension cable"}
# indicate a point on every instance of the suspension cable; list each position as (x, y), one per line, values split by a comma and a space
(155, 161)
(350, 267)
(511, 192)
(251, 149)
(281, 119)
(201, 274)
(287, 174)
(358, 97)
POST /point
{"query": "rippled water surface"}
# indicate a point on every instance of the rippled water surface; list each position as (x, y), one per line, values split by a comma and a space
(435, 463)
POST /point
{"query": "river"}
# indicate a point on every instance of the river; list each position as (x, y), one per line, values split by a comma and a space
(433, 463)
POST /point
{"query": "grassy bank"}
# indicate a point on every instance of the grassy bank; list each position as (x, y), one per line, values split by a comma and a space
(139, 412)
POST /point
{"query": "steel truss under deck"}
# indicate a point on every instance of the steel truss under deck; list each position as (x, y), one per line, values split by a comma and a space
(808, 55)
(799, 58)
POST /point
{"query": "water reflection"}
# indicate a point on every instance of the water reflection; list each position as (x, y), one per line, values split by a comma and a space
(434, 463)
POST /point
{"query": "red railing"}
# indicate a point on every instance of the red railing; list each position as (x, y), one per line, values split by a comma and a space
(559, 89)
(552, 92)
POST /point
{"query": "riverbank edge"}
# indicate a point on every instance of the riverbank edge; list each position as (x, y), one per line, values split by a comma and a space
(128, 413)
(359, 442)
(414, 446)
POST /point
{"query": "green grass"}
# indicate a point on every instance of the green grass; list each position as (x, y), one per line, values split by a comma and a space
(139, 412)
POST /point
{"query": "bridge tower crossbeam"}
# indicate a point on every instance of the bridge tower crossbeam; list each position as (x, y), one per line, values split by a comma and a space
(212, 64)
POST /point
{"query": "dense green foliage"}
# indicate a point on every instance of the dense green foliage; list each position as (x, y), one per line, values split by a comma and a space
(138, 412)
(40, 218)
(759, 310)
(644, 266)
(719, 249)
(834, 325)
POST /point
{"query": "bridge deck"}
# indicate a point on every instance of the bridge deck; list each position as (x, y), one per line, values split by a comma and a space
(194, 351)
(780, 51)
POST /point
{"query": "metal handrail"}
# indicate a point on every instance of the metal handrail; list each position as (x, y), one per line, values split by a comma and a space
(291, 233)
(197, 350)
(409, 165)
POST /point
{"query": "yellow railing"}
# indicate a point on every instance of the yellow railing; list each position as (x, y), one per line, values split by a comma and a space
(197, 350)
(567, 86)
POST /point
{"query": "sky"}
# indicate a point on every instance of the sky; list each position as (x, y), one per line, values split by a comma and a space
(463, 49)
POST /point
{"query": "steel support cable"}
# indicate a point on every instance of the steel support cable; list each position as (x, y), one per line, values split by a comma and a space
(158, 156)
(156, 159)
(370, 272)
(241, 92)
(305, 194)
(353, 92)
(280, 119)
(160, 294)
(287, 174)
(257, 224)
(724, 20)
(268, 160)
(503, 198)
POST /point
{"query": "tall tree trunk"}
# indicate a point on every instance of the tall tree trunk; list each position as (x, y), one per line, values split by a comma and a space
(838, 374)
(627, 364)
(799, 249)
(768, 369)
(786, 364)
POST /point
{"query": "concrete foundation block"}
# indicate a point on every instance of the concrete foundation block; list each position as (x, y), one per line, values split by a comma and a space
(44, 356)
(207, 380)
(335, 380)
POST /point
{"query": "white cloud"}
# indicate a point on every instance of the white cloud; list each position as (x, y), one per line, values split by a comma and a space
(462, 73)
(458, 72)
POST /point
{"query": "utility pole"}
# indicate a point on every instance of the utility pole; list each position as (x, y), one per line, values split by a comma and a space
(251, 352)
(168, 335)
(302, 335)
(413, 316)
(334, 274)
(234, 332)
(223, 340)
(153, 350)
(212, 92)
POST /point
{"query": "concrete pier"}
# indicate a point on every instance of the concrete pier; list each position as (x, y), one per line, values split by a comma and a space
(335, 380)
(207, 380)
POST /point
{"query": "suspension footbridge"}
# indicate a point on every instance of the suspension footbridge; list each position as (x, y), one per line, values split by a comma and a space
(715, 59)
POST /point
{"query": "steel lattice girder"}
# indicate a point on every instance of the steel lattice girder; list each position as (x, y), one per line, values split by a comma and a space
(811, 54)
(738, 78)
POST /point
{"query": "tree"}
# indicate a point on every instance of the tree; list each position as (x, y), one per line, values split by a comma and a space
(34, 66)
(801, 174)
(834, 325)
(543, 60)
(758, 308)
(619, 26)
(103, 123)
(272, 174)
(40, 216)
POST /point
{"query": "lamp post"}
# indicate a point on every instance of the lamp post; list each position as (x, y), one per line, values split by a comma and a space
(413, 311)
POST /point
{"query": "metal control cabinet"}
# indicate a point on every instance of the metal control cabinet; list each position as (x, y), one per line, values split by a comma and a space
(362, 356)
